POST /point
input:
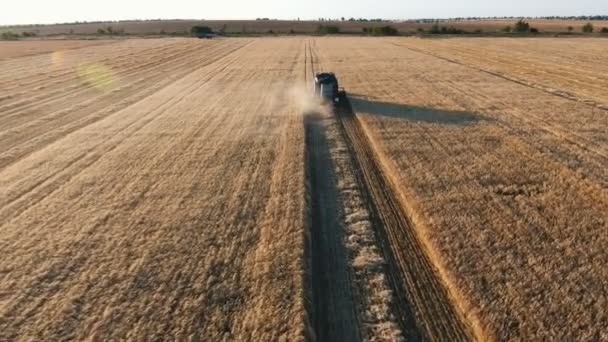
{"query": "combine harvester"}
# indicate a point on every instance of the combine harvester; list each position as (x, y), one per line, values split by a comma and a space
(326, 88)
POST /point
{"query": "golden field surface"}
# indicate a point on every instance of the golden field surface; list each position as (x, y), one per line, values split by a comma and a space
(193, 190)
(506, 182)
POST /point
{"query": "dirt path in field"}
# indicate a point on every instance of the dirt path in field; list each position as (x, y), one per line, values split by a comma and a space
(423, 304)
(335, 318)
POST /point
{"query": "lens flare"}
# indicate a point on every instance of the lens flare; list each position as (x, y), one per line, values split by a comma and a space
(98, 76)
(57, 59)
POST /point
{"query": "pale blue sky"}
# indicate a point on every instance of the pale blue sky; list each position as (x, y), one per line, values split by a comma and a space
(52, 11)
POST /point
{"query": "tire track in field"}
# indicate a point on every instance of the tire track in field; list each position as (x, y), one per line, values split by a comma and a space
(121, 60)
(545, 125)
(334, 311)
(11, 206)
(122, 56)
(145, 73)
(124, 68)
(91, 111)
(560, 93)
(424, 306)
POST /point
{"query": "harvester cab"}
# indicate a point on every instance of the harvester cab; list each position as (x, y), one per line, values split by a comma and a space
(326, 87)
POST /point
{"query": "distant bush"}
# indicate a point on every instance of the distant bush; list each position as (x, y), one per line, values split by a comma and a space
(588, 28)
(436, 29)
(199, 31)
(604, 30)
(507, 29)
(29, 34)
(570, 28)
(386, 31)
(9, 35)
(270, 32)
(109, 30)
(381, 31)
(328, 29)
(522, 26)
(534, 30)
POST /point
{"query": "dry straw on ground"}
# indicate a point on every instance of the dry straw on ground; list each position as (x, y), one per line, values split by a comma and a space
(157, 188)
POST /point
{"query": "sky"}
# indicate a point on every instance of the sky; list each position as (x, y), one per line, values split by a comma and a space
(55, 11)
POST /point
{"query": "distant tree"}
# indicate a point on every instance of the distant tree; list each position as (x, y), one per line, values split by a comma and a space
(604, 30)
(522, 26)
(110, 30)
(385, 31)
(328, 29)
(9, 35)
(507, 29)
(200, 31)
(342, 18)
(101, 31)
(588, 28)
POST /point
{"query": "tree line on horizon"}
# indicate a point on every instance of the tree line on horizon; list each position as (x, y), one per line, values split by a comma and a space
(419, 20)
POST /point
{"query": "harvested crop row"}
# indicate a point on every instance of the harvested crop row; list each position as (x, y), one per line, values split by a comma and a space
(424, 305)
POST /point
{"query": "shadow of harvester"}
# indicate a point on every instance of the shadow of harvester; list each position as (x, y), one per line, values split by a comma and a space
(365, 105)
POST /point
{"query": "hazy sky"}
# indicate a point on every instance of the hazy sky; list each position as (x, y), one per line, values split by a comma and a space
(52, 11)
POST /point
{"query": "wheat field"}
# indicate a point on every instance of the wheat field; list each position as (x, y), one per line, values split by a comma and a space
(189, 189)
(500, 156)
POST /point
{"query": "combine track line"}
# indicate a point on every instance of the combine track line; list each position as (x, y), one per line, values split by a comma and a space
(335, 316)
(334, 313)
(422, 302)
